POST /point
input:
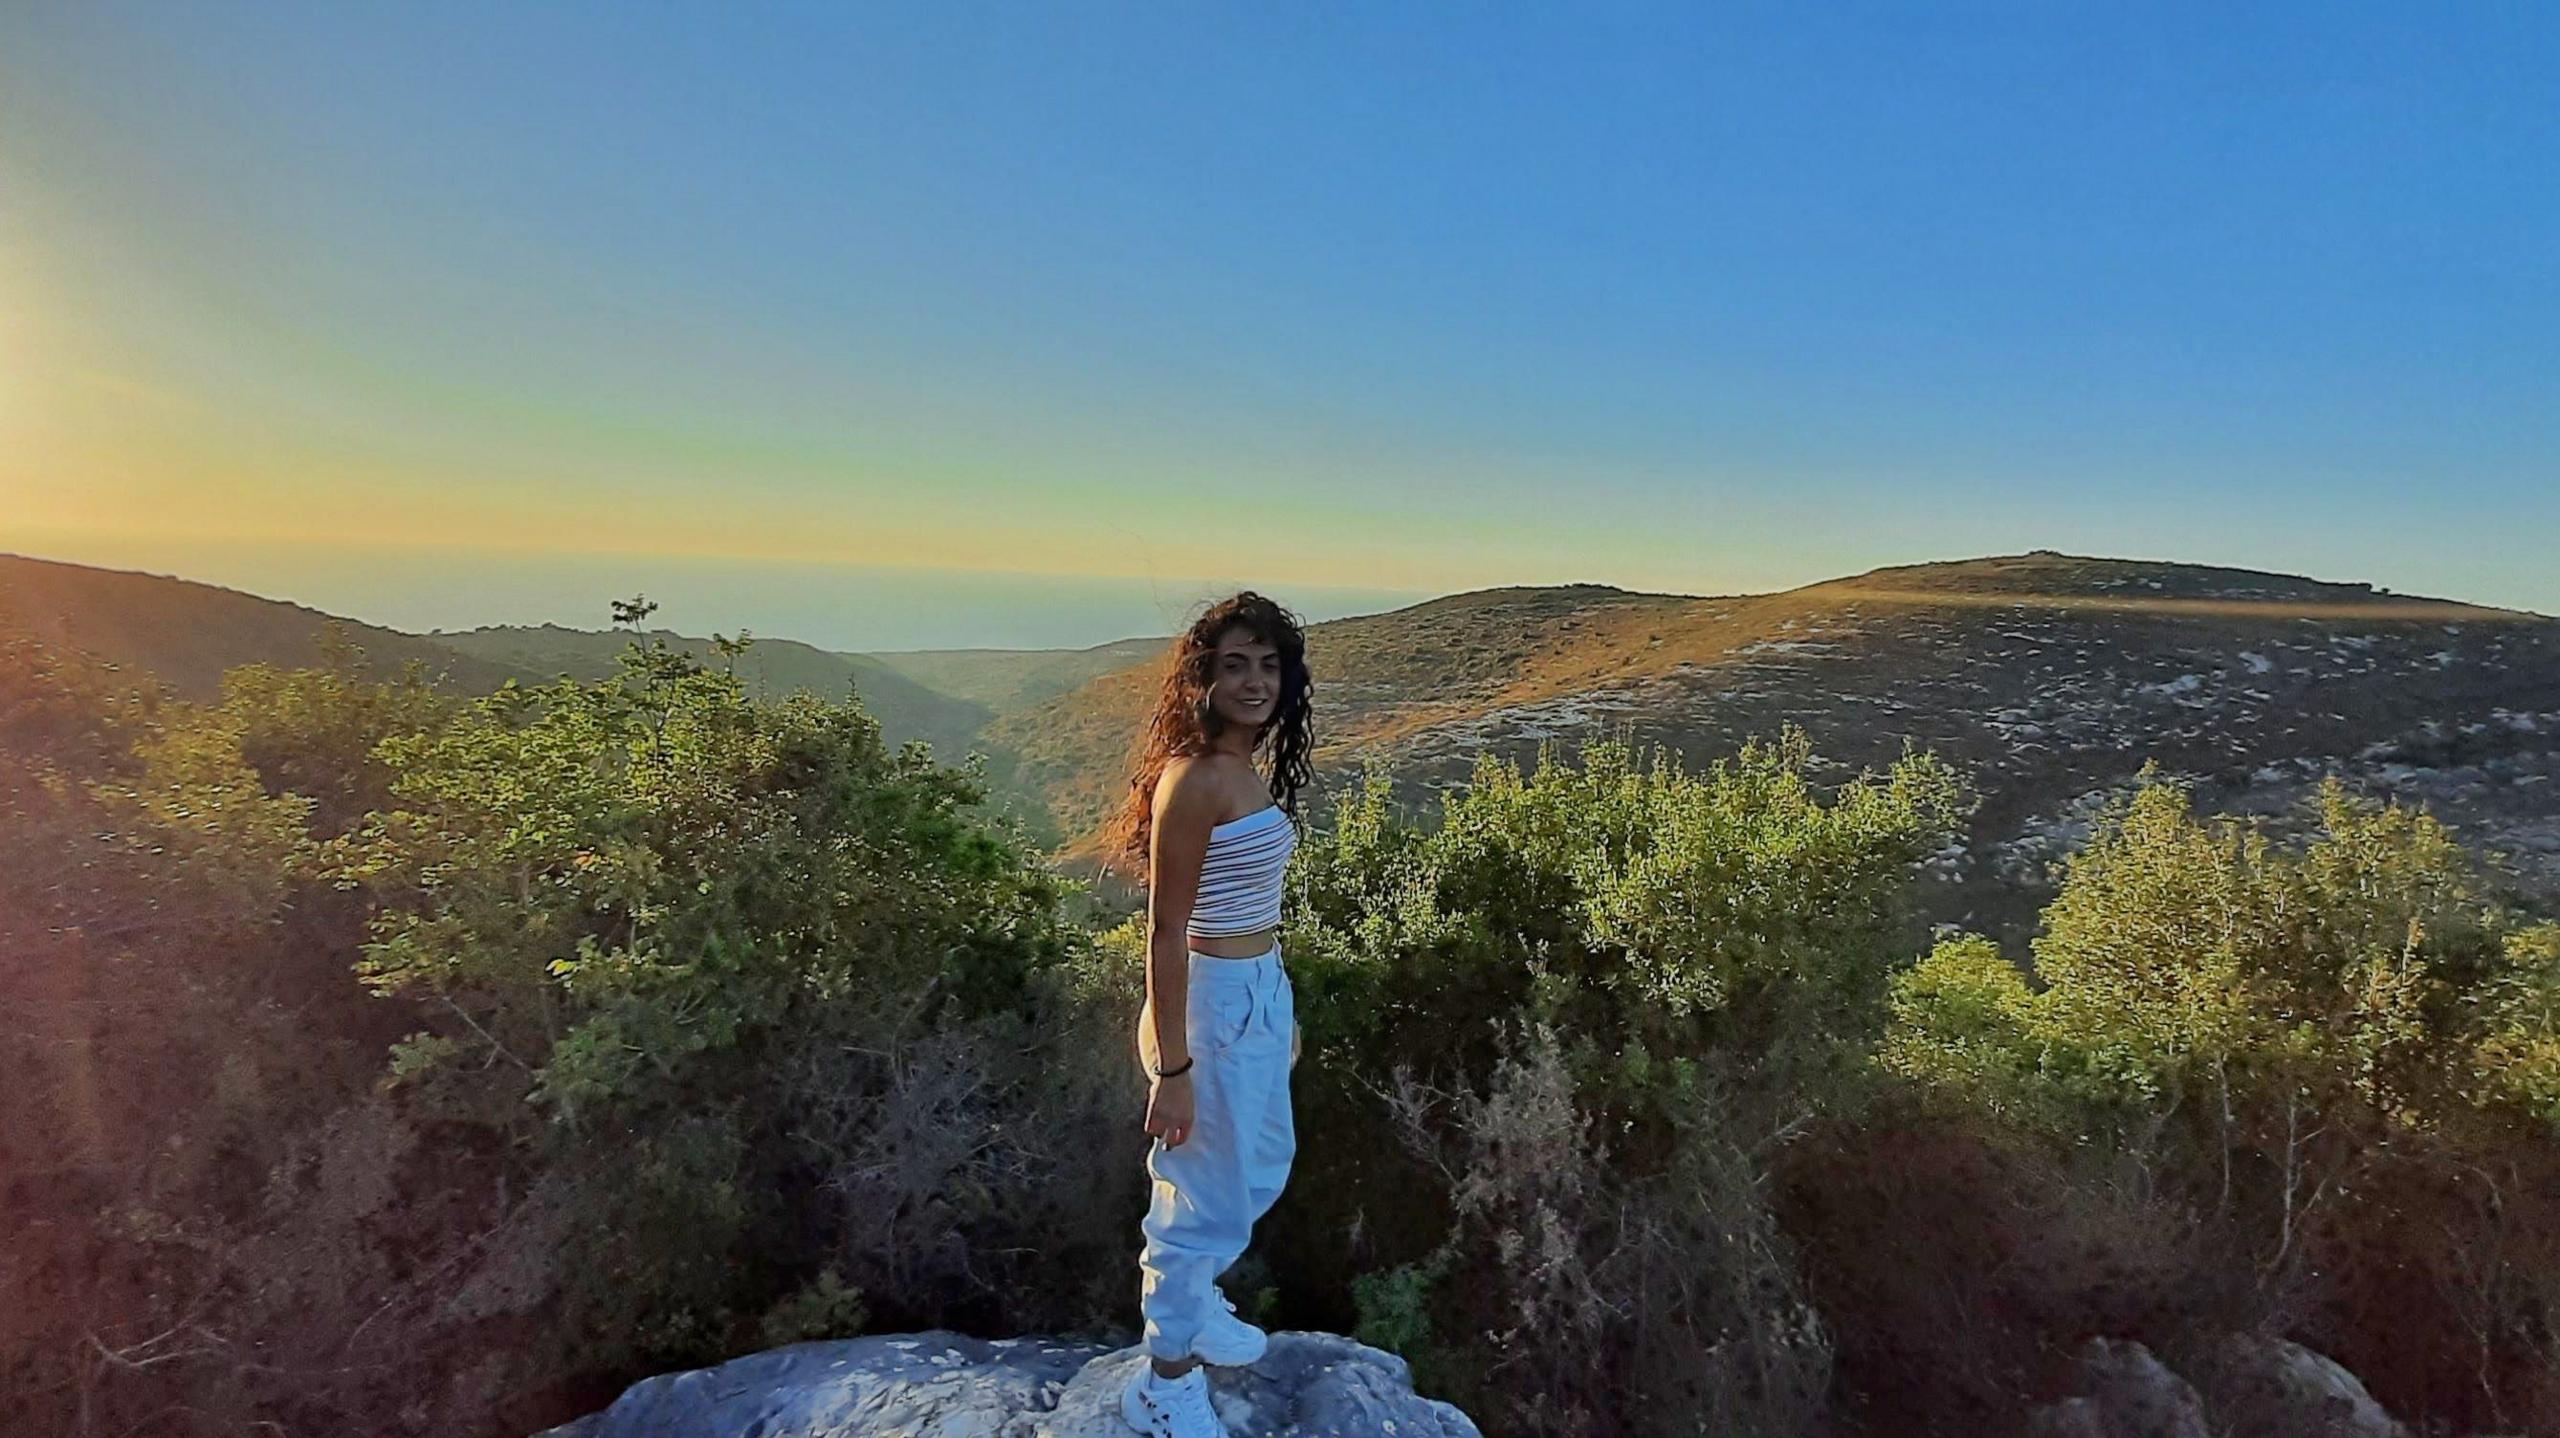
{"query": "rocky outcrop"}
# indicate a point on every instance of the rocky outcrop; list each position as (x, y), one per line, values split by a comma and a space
(2284, 1390)
(2124, 1392)
(2262, 1387)
(938, 1384)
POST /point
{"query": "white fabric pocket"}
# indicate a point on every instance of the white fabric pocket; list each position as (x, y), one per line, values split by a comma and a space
(1225, 1016)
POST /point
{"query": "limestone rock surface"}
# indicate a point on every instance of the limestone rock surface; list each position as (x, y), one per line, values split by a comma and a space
(938, 1384)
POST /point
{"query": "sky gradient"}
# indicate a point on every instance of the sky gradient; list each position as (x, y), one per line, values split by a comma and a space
(468, 313)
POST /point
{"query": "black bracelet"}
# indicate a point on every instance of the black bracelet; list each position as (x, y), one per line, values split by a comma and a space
(1186, 1068)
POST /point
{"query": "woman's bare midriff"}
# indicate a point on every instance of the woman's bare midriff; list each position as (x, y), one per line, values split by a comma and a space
(1236, 946)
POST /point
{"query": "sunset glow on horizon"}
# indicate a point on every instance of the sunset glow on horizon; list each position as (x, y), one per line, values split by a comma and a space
(1372, 305)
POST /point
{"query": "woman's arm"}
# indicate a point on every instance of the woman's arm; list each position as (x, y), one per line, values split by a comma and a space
(1185, 809)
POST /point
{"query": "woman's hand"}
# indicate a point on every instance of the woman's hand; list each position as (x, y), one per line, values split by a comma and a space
(1169, 1108)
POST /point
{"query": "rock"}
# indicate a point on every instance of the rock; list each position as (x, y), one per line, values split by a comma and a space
(938, 1384)
(2070, 1418)
(1309, 1385)
(2124, 1393)
(2284, 1390)
(935, 1382)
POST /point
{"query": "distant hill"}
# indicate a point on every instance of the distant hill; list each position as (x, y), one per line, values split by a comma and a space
(186, 634)
(1375, 675)
(770, 668)
(2051, 678)
(1004, 680)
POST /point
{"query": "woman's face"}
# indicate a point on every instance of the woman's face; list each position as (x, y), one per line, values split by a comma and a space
(1245, 680)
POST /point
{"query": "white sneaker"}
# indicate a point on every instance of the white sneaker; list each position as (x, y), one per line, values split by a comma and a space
(1226, 1339)
(1170, 1407)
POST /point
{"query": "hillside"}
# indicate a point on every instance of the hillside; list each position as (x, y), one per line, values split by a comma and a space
(2050, 678)
(1003, 680)
(1377, 675)
(770, 667)
(186, 633)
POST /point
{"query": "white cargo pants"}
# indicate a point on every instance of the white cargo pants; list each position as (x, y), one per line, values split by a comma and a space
(1209, 1190)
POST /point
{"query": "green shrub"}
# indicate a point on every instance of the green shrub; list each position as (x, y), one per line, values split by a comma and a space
(1394, 1305)
(826, 1308)
(2195, 967)
(756, 990)
(2331, 1065)
(1593, 999)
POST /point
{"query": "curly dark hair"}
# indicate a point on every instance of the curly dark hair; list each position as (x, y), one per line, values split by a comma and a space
(1184, 722)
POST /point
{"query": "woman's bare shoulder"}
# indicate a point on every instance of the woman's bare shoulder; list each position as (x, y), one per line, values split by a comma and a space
(1186, 788)
(1202, 787)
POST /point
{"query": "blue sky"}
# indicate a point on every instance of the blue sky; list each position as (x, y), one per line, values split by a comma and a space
(1359, 303)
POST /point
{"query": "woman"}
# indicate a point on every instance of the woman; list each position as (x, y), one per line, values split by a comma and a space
(1218, 1033)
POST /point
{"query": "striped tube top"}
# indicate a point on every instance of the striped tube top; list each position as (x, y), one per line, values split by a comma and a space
(1240, 874)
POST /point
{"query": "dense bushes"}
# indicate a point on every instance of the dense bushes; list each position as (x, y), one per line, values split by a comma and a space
(685, 1021)
(2198, 969)
(388, 1060)
(1555, 1036)
(2335, 1065)
(714, 964)
(181, 1029)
